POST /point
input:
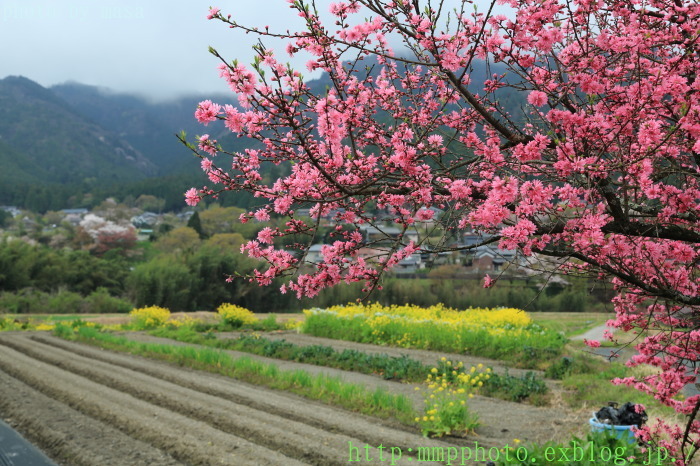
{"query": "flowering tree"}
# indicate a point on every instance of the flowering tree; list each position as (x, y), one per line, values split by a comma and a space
(100, 235)
(599, 168)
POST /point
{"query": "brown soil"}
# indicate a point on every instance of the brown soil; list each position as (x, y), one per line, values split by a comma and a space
(86, 406)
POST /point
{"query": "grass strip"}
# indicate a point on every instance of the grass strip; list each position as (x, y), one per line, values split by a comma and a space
(530, 386)
(328, 389)
(388, 367)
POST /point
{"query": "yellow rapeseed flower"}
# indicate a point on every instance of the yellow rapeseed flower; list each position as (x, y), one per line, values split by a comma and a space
(151, 316)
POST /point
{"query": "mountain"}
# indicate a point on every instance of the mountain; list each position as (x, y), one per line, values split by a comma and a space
(149, 127)
(15, 168)
(71, 144)
(57, 144)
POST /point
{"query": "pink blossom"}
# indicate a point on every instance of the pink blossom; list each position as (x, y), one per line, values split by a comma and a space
(591, 343)
(283, 204)
(435, 140)
(207, 145)
(261, 215)
(537, 98)
(424, 215)
(207, 112)
(206, 164)
(234, 119)
(266, 235)
(212, 12)
(459, 189)
(192, 197)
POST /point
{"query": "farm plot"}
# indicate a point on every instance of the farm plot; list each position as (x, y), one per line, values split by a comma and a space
(501, 421)
(83, 405)
(87, 406)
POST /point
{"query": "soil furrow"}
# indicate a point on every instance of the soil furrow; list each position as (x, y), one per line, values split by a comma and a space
(186, 439)
(203, 418)
(501, 421)
(67, 435)
(365, 429)
(262, 428)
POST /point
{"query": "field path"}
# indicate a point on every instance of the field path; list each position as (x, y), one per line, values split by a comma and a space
(625, 353)
(596, 333)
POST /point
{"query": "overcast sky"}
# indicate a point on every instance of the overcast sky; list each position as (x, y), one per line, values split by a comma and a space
(157, 48)
(152, 47)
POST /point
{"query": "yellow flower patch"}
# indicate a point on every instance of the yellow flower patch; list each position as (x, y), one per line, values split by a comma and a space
(236, 315)
(149, 317)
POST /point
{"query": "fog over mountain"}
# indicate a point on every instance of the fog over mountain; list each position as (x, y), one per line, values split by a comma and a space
(81, 138)
(157, 49)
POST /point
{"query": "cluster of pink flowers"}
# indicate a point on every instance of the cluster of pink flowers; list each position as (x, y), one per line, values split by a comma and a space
(213, 12)
(602, 168)
(207, 112)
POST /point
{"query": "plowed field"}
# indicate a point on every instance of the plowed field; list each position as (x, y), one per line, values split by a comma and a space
(86, 406)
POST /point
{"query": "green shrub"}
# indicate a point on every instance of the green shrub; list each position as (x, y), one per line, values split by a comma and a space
(29, 301)
(508, 387)
(268, 324)
(101, 302)
(64, 302)
(163, 281)
(25, 301)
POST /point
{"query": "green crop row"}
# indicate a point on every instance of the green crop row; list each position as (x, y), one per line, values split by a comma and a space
(508, 387)
(322, 387)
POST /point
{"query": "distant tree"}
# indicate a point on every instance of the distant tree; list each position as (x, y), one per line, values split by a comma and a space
(99, 235)
(164, 228)
(182, 239)
(196, 224)
(150, 203)
(5, 218)
(164, 281)
(217, 219)
(52, 218)
(227, 241)
(115, 238)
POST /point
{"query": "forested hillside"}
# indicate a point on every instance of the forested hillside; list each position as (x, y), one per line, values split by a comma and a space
(74, 145)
